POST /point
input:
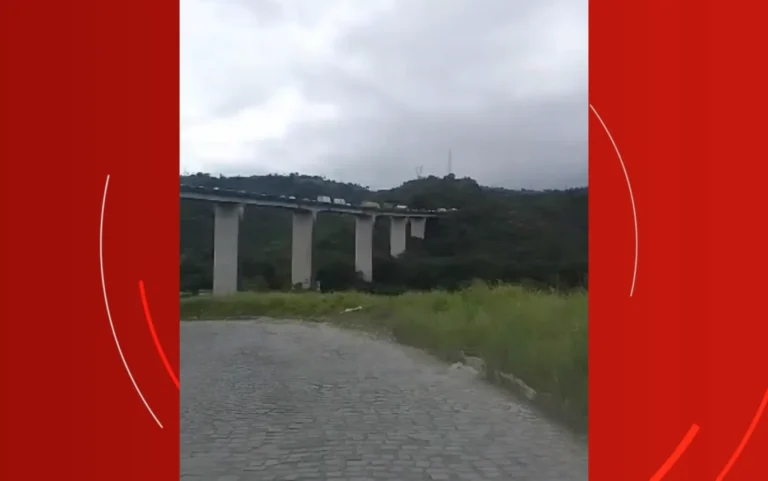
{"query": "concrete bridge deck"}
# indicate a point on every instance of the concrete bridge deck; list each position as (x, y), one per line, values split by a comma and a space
(289, 401)
(251, 198)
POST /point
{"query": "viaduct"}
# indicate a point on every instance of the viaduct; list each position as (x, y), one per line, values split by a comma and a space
(229, 207)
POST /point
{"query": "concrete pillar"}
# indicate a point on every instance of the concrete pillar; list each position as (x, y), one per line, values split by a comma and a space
(301, 254)
(418, 226)
(226, 229)
(397, 235)
(364, 245)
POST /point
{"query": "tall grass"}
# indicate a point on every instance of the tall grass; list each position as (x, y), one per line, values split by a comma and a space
(539, 337)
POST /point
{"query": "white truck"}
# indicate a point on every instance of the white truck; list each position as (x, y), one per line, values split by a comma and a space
(369, 204)
(401, 207)
(339, 202)
(324, 198)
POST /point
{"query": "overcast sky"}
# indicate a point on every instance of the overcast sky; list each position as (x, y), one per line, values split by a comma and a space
(369, 90)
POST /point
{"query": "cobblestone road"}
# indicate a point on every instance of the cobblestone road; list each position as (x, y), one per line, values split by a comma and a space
(290, 401)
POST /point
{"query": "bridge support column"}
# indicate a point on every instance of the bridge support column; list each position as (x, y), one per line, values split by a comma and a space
(226, 230)
(364, 245)
(301, 255)
(418, 226)
(397, 235)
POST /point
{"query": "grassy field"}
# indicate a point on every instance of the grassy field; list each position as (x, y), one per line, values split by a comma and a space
(539, 337)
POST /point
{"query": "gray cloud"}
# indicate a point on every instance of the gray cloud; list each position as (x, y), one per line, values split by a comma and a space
(367, 92)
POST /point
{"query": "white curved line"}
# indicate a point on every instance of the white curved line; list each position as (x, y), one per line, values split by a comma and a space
(106, 304)
(631, 195)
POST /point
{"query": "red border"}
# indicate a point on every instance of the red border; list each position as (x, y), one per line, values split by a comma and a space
(93, 91)
(680, 89)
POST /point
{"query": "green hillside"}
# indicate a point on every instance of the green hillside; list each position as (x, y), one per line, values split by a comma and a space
(536, 238)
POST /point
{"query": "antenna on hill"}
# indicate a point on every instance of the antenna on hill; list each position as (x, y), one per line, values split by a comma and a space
(419, 170)
(450, 162)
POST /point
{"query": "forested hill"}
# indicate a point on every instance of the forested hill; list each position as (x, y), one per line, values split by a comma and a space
(532, 237)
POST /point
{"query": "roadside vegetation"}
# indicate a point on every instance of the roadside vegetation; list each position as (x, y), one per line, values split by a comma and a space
(540, 337)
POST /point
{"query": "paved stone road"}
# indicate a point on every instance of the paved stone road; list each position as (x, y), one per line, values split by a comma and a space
(290, 401)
